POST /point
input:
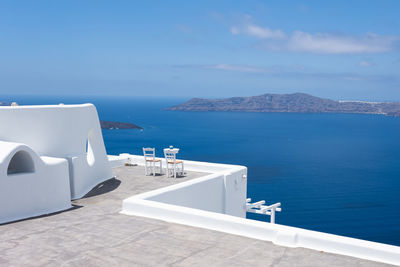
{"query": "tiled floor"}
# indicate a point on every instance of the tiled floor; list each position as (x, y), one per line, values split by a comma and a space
(93, 233)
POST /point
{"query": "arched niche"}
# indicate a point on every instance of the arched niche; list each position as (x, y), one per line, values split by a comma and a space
(21, 162)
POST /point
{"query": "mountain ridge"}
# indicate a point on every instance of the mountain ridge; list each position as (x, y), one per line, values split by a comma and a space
(295, 102)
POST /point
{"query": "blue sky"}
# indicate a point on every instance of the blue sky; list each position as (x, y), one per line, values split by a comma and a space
(335, 49)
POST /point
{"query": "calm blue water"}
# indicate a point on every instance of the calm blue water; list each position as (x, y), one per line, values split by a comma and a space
(335, 173)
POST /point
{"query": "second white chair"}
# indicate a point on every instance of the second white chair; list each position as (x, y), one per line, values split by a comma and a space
(170, 158)
(150, 161)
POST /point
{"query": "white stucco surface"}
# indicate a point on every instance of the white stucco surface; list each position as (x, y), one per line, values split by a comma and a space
(31, 185)
(222, 191)
(71, 132)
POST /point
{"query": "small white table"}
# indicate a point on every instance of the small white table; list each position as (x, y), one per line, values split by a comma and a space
(173, 150)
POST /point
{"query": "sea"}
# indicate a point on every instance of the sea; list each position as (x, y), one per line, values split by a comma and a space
(334, 173)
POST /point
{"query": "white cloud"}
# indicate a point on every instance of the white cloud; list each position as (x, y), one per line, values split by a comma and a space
(293, 71)
(235, 30)
(323, 43)
(353, 78)
(264, 33)
(365, 63)
(339, 44)
(240, 68)
(251, 29)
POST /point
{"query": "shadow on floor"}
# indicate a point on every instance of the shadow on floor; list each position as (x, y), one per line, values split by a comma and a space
(74, 207)
(178, 175)
(164, 175)
(104, 187)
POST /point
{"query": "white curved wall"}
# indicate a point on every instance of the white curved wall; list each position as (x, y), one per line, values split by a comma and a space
(61, 131)
(34, 186)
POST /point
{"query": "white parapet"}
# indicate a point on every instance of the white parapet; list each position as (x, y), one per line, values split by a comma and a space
(71, 132)
(222, 190)
(217, 201)
(31, 185)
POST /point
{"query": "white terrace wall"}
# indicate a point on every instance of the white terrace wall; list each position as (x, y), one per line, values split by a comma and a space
(278, 234)
(200, 203)
(222, 191)
(206, 194)
(63, 131)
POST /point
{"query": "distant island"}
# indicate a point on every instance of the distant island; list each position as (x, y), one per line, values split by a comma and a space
(297, 102)
(113, 125)
(5, 104)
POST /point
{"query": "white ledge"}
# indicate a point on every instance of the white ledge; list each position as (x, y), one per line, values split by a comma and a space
(156, 205)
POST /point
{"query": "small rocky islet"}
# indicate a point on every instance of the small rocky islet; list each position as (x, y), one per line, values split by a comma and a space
(114, 125)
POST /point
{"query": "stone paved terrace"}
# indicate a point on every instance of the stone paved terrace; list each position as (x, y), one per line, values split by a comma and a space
(93, 233)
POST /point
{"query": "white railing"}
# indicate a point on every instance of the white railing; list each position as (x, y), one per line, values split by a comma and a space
(260, 208)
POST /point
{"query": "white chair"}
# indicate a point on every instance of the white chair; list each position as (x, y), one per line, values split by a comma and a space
(170, 158)
(150, 160)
